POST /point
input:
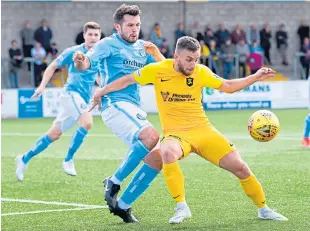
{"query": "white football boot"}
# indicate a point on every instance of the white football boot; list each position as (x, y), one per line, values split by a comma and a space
(20, 168)
(68, 167)
(268, 214)
(182, 212)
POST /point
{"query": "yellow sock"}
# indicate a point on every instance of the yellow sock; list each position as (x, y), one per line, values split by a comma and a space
(175, 181)
(254, 190)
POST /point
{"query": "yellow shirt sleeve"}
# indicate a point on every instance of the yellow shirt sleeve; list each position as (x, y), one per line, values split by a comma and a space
(145, 75)
(209, 79)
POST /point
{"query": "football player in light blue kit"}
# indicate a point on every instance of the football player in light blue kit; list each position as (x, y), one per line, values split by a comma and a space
(116, 56)
(306, 136)
(73, 106)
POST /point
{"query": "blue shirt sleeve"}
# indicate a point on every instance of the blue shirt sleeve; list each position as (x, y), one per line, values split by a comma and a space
(65, 57)
(98, 52)
(150, 59)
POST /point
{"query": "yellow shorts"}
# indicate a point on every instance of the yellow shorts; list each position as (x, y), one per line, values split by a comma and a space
(207, 142)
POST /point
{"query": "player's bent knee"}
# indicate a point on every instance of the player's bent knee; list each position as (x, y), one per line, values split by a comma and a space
(150, 137)
(87, 125)
(170, 154)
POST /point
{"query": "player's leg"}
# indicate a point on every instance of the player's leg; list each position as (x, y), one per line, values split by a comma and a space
(77, 110)
(172, 150)
(42, 143)
(129, 123)
(306, 138)
(233, 163)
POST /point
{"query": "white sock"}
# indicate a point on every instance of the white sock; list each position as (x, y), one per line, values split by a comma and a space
(182, 204)
(264, 209)
(115, 180)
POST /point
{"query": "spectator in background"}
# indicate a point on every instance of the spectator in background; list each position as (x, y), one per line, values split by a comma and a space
(52, 53)
(80, 37)
(256, 48)
(164, 49)
(208, 28)
(43, 35)
(253, 35)
(237, 35)
(205, 52)
(27, 37)
(305, 60)
(208, 37)
(282, 44)
(256, 57)
(303, 31)
(16, 60)
(196, 31)
(156, 35)
(39, 55)
(228, 50)
(222, 35)
(179, 32)
(215, 53)
(243, 51)
(265, 36)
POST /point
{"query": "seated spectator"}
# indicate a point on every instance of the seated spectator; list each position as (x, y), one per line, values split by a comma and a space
(164, 49)
(228, 50)
(208, 37)
(244, 53)
(156, 35)
(39, 55)
(305, 60)
(16, 60)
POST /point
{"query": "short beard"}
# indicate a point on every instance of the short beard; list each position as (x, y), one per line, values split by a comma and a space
(125, 38)
(181, 69)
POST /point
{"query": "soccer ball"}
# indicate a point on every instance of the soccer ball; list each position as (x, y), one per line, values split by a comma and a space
(263, 125)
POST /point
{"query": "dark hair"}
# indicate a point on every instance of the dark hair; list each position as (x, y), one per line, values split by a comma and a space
(13, 41)
(91, 25)
(124, 9)
(187, 43)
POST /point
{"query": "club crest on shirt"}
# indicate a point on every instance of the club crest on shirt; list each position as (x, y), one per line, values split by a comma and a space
(189, 81)
(165, 95)
(142, 52)
(83, 106)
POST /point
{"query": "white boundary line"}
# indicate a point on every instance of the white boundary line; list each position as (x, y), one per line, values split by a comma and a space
(80, 206)
(49, 211)
(52, 203)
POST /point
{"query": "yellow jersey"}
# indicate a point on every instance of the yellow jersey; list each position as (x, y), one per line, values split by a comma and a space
(179, 97)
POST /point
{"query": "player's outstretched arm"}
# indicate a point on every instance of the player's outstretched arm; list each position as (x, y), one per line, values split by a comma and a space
(233, 85)
(48, 73)
(81, 61)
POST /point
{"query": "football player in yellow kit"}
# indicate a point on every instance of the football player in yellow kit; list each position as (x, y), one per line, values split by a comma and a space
(178, 85)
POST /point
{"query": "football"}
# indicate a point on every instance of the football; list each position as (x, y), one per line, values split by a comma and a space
(263, 125)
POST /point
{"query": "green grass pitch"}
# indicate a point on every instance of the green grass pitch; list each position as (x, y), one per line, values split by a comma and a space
(215, 197)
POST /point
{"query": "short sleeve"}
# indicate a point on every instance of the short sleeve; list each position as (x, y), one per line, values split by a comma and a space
(208, 78)
(99, 51)
(146, 75)
(65, 57)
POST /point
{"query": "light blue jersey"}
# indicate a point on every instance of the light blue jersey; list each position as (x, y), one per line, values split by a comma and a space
(80, 82)
(115, 58)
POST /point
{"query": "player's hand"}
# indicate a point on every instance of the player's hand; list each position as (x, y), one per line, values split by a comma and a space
(96, 101)
(264, 73)
(79, 57)
(151, 48)
(38, 92)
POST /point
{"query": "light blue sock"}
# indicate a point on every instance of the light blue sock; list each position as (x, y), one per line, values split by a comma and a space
(42, 143)
(307, 127)
(140, 182)
(76, 141)
(137, 152)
